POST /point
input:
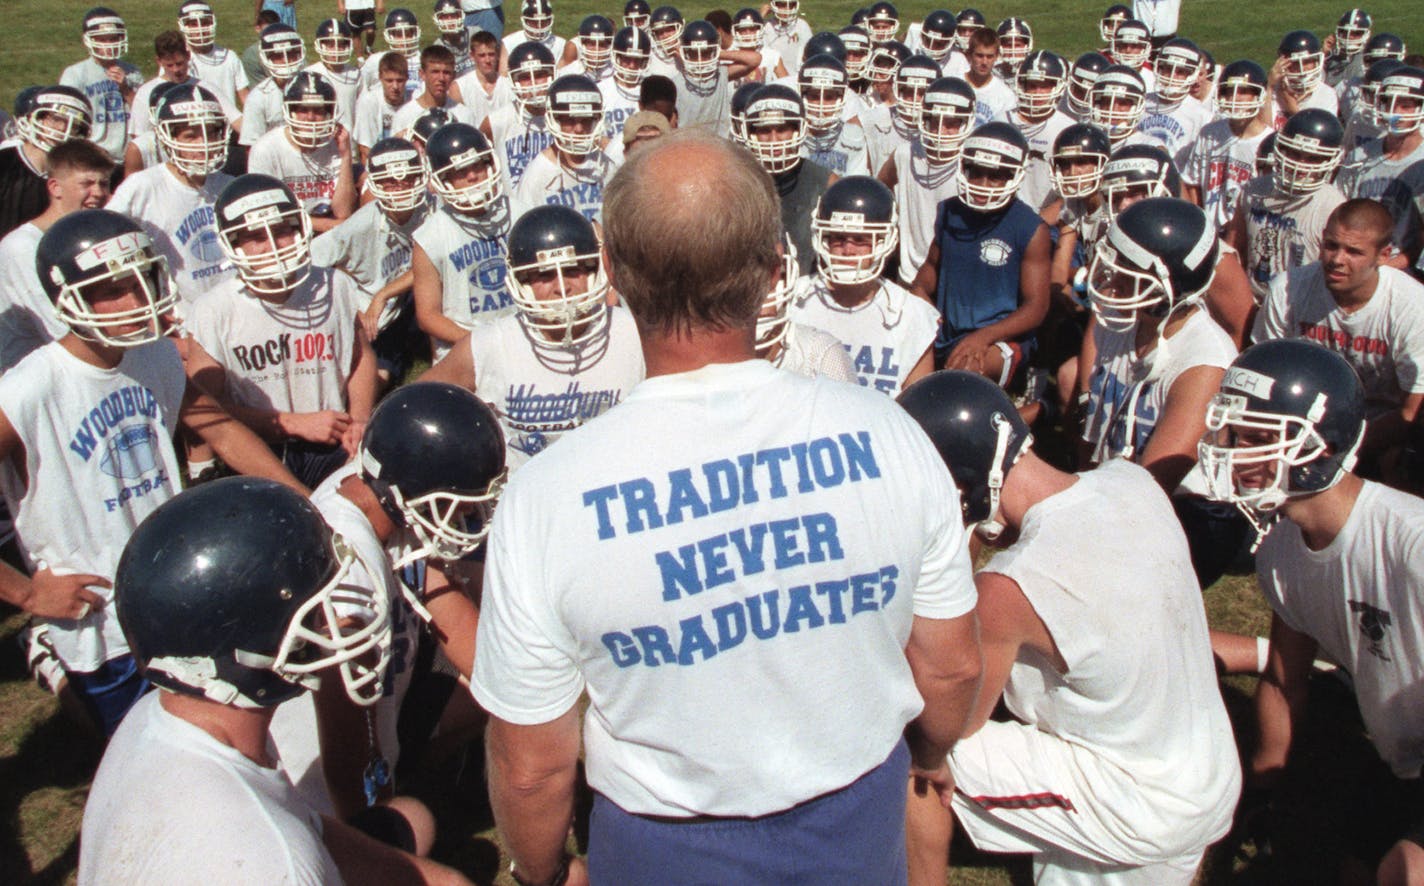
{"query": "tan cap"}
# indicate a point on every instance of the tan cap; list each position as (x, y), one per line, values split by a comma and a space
(644, 120)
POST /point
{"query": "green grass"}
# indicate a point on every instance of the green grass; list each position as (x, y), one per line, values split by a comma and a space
(45, 763)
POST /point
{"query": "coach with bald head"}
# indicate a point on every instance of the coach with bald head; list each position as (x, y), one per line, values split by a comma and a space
(1372, 314)
(760, 580)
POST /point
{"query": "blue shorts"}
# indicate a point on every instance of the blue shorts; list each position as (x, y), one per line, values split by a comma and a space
(491, 20)
(853, 836)
(287, 12)
(110, 691)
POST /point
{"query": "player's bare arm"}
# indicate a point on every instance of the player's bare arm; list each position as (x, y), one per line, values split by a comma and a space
(1281, 699)
(429, 315)
(1172, 449)
(364, 861)
(944, 659)
(362, 386)
(232, 439)
(532, 773)
(456, 367)
(1007, 623)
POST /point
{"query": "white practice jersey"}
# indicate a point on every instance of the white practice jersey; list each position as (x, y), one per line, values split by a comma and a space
(885, 132)
(110, 127)
(1176, 125)
(785, 484)
(180, 220)
(518, 138)
(787, 41)
(311, 174)
(220, 70)
(704, 105)
(468, 253)
(578, 186)
(553, 42)
(813, 353)
(1127, 393)
(479, 100)
(371, 74)
(373, 249)
(1360, 598)
(919, 189)
(1322, 97)
(618, 105)
(150, 153)
(842, 150)
(1160, 16)
(289, 357)
(141, 121)
(346, 80)
(410, 112)
(1037, 187)
(541, 391)
(1282, 232)
(1153, 761)
(885, 336)
(1398, 184)
(1090, 224)
(294, 727)
(1383, 339)
(27, 318)
(372, 119)
(262, 113)
(994, 100)
(98, 459)
(161, 787)
(1219, 165)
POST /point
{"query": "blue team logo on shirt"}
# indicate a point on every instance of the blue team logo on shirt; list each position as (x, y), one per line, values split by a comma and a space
(205, 247)
(489, 274)
(131, 453)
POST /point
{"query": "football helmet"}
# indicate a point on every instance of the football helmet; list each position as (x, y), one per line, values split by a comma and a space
(1241, 90)
(771, 109)
(1352, 31)
(637, 14)
(395, 175)
(426, 125)
(822, 84)
(282, 51)
(1081, 78)
(1114, 16)
(96, 248)
(885, 59)
(1368, 108)
(786, 11)
(999, 150)
(1117, 102)
(1039, 83)
(1075, 146)
(701, 51)
(1159, 255)
(747, 28)
(937, 35)
(979, 434)
(574, 98)
(531, 70)
(774, 320)
(1399, 101)
(1308, 148)
(1138, 171)
(1015, 42)
(665, 27)
(966, 23)
(335, 41)
(433, 455)
(1177, 67)
(1287, 422)
(402, 31)
(824, 43)
(855, 206)
(1305, 62)
(188, 106)
(55, 114)
(449, 17)
(1382, 46)
(536, 18)
(857, 50)
(197, 24)
(309, 90)
(632, 47)
(556, 240)
(453, 149)
(1266, 155)
(262, 205)
(105, 35)
(595, 42)
(1131, 44)
(882, 22)
(946, 119)
(237, 591)
(741, 96)
(912, 78)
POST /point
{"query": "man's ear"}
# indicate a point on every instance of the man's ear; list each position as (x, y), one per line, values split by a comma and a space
(52, 186)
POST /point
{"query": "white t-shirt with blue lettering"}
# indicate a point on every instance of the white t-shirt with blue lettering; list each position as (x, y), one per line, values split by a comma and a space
(181, 221)
(885, 336)
(468, 253)
(736, 599)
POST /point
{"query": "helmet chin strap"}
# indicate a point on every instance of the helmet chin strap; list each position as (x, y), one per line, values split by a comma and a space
(991, 527)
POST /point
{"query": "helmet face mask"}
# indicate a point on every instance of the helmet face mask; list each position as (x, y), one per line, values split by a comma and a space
(748, 29)
(575, 115)
(937, 44)
(883, 23)
(701, 51)
(396, 175)
(632, 49)
(1353, 32)
(309, 111)
(531, 75)
(1117, 291)
(595, 43)
(823, 93)
(536, 17)
(453, 169)
(1307, 150)
(1304, 62)
(449, 18)
(665, 29)
(945, 121)
(1039, 83)
(912, 81)
(193, 131)
(1398, 104)
(1117, 103)
(123, 264)
(1177, 68)
(1115, 15)
(786, 11)
(1131, 45)
(1015, 43)
(1080, 154)
(573, 313)
(264, 232)
(402, 32)
(774, 321)
(59, 114)
(198, 25)
(870, 244)
(105, 35)
(1241, 91)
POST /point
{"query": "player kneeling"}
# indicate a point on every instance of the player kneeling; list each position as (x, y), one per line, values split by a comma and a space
(1121, 765)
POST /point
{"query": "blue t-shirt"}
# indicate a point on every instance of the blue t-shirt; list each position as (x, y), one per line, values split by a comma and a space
(979, 258)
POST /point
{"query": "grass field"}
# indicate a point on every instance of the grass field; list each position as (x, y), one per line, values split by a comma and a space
(45, 764)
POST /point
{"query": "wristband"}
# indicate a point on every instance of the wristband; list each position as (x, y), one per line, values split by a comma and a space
(561, 876)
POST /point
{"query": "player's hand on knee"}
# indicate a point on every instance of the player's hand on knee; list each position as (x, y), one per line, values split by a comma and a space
(64, 596)
(939, 780)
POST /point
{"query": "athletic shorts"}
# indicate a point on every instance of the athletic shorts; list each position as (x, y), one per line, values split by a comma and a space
(1020, 790)
(361, 19)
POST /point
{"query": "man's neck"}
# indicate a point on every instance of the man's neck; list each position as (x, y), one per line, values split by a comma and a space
(243, 730)
(51, 215)
(95, 354)
(1320, 517)
(977, 81)
(38, 157)
(1351, 300)
(852, 295)
(427, 100)
(192, 181)
(1248, 128)
(1029, 482)
(668, 353)
(1397, 146)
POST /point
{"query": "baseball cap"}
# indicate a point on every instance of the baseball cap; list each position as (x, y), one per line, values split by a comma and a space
(644, 120)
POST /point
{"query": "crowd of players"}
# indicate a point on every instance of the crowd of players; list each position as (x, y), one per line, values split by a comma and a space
(1147, 254)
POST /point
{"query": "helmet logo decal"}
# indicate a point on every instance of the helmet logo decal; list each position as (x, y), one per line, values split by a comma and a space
(107, 252)
(1249, 382)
